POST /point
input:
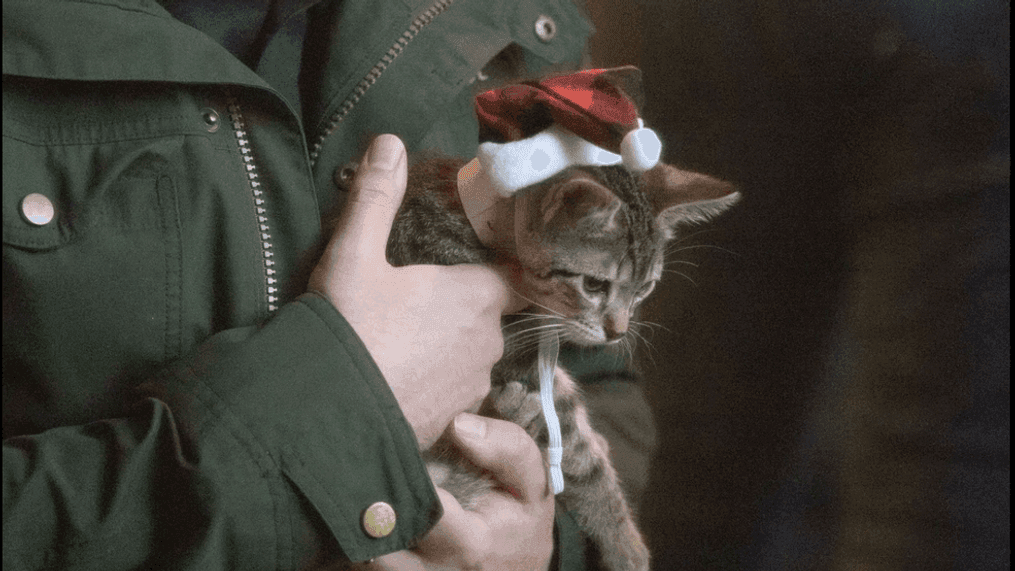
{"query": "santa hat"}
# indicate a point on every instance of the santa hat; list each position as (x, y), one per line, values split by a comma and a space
(534, 130)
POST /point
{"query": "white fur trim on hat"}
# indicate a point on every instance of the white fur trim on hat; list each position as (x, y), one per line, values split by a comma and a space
(515, 165)
(641, 148)
(518, 164)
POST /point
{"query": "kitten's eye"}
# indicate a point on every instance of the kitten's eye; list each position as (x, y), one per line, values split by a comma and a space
(595, 285)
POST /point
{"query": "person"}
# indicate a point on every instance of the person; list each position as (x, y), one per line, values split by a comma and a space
(174, 394)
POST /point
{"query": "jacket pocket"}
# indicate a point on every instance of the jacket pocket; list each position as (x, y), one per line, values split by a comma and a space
(58, 195)
(92, 249)
(89, 150)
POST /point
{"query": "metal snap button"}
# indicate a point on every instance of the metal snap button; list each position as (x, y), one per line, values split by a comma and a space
(37, 209)
(379, 520)
(345, 175)
(211, 119)
(546, 28)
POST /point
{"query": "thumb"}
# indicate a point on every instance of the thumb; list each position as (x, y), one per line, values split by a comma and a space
(505, 450)
(375, 194)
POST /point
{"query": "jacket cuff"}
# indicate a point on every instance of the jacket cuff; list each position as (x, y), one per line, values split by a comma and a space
(371, 454)
(302, 396)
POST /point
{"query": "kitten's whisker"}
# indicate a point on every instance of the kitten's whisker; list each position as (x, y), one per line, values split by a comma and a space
(693, 234)
(649, 350)
(626, 349)
(682, 248)
(651, 324)
(685, 276)
(533, 302)
(634, 353)
(534, 315)
(533, 332)
(529, 320)
(681, 262)
(638, 335)
(545, 319)
(542, 327)
(526, 344)
(634, 350)
(526, 314)
(529, 337)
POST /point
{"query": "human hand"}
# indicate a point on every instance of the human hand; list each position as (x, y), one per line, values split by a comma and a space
(511, 529)
(434, 331)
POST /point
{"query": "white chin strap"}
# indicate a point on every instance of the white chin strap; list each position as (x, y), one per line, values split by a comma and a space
(547, 366)
(518, 164)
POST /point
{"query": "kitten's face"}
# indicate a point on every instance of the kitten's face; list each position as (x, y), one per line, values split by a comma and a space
(593, 239)
(603, 297)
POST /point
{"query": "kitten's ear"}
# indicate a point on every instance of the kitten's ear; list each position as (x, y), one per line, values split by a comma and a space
(542, 214)
(564, 205)
(684, 197)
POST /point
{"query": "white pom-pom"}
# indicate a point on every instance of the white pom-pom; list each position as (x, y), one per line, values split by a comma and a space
(641, 149)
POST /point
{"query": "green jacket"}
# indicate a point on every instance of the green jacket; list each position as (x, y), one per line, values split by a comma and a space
(170, 398)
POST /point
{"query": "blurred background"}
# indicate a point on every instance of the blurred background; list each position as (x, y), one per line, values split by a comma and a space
(830, 381)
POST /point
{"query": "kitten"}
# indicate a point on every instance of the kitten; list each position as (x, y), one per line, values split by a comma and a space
(589, 249)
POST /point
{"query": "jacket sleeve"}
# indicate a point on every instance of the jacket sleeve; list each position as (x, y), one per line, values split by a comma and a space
(571, 550)
(237, 457)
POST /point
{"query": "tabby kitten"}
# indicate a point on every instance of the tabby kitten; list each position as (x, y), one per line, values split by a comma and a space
(589, 247)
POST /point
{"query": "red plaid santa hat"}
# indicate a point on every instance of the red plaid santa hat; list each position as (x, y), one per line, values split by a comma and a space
(534, 130)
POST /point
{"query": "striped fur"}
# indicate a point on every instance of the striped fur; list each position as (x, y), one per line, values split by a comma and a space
(603, 226)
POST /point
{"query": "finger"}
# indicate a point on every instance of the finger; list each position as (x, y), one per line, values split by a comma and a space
(397, 561)
(375, 194)
(486, 284)
(515, 303)
(512, 275)
(505, 450)
(459, 537)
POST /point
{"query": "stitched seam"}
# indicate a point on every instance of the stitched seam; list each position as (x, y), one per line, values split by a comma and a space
(40, 142)
(166, 267)
(232, 423)
(125, 8)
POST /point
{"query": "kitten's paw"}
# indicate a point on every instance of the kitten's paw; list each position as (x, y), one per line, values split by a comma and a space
(518, 404)
(529, 413)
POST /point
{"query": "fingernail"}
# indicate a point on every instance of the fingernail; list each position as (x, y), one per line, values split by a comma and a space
(384, 152)
(470, 426)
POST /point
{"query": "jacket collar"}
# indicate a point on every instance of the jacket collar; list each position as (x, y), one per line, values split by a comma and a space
(112, 40)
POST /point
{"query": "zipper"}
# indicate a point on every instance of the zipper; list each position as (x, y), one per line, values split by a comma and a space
(336, 118)
(375, 72)
(260, 205)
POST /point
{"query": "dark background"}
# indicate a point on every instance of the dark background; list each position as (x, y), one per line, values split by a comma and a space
(832, 390)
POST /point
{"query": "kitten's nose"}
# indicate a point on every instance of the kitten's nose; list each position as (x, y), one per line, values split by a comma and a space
(614, 328)
(612, 335)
